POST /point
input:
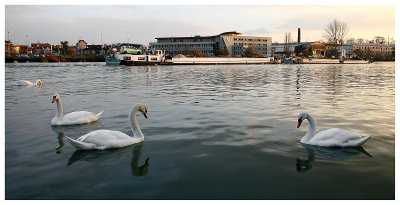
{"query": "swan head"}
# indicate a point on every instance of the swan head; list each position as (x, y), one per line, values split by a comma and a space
(55, 97)
(143, 109)
(302, 117)
(39, 83)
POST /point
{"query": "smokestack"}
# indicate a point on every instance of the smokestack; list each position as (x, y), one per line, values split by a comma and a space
(298, 35)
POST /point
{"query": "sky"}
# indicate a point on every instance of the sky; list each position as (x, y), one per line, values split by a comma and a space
(96, 24)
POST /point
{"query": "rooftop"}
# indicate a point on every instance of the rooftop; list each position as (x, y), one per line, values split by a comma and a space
(365, 44)
(232, 33)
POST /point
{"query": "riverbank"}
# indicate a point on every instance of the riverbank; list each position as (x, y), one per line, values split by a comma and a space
(333, 61)
(52, 59)
(183, 61)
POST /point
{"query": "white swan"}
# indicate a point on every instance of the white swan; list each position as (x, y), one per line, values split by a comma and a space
(28, 83)
(105, 139)
(334, 137)
(73, 118)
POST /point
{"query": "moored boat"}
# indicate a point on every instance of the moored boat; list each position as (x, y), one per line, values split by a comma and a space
(150, 57)
(113, 58)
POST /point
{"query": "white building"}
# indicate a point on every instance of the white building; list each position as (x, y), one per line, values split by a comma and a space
(230, 42)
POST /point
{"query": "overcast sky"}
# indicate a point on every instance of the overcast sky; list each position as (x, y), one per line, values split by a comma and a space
(142, 24)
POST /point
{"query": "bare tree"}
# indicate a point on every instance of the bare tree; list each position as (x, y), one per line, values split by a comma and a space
(351, 40)
(223, 52)
(288, 41)
(197, 53)
(336, 32)
(252, 51)
(379, 40)
(360, 40)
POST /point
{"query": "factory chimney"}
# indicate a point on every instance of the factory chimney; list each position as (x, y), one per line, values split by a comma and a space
(298, 35)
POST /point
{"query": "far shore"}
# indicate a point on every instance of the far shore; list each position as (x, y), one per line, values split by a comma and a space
(54, 59)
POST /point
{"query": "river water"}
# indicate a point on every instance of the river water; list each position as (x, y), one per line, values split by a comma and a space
(213, 132)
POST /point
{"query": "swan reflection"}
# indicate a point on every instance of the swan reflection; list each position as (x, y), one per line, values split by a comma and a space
(60, 137)
(70, 129)
(135, 168)
(110, 156)
(333, 153)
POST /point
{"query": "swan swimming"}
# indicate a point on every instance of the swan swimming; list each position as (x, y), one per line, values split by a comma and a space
(105, 139)
(28, 83)
(333, 137)
(73, 118)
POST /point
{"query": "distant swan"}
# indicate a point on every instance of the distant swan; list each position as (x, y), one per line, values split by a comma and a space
(334, 137)
(73, 118)
(28, 83)
(105, 139)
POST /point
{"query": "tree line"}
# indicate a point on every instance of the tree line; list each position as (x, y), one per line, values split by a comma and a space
(336, 34)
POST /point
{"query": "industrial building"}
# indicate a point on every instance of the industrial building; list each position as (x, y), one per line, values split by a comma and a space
(383, 49)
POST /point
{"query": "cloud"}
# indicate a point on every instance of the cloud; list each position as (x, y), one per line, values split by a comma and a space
(111, 30)
(144, 23)
(257, 31)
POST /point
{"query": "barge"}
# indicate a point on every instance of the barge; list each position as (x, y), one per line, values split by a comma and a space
(158, 57)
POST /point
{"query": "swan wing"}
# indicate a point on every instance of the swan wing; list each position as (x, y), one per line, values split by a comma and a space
(22, 83)
(103, 139)
(79, 117)
(335, 137)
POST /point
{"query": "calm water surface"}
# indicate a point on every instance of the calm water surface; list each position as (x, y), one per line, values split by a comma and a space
(214, 132)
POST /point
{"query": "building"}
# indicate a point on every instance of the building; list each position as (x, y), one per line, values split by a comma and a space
(280, 50)
(81, 45)
(12, 50)
(352, 48)
(93, 50)
(318, 50)
(23, 49)
(304, 49)
(394, 49)
(7, 46)
(41, 48)
(228, 42)
(333, 50)
(186, 45)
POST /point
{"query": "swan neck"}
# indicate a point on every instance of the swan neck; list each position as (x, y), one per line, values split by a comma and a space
(311, 130)
(312, 124)
(59, 108)
(137, 132)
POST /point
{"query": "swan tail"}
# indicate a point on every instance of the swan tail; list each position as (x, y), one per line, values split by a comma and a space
(98, 114)
(80, 145)
(362, 140)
